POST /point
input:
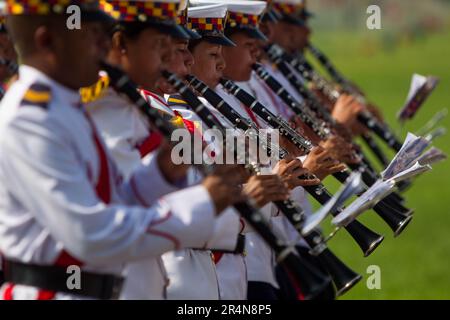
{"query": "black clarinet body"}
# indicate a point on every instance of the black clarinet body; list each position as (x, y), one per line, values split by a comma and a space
(312, 281)
(366, 118)
(343, 277)
(367, 240)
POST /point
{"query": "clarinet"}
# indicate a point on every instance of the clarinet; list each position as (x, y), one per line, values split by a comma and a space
(310, 100)
(367, 240)
(289, 207)
(312, 281)
(306, 94)
(286, 255)
(392, 212)
(326, 63)
(342, 276)
(344, 83)
(366, 118)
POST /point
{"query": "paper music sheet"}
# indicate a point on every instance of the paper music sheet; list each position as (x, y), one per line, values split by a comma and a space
(431, 156)
(412, 171)
(410, 152)
(421, 88)
(376, 193)
(368, 200)
(354, 186)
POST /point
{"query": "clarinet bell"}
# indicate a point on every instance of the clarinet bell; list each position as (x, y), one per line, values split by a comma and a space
(311, 281)
(367, 240)
(395, 220)
(342, 276)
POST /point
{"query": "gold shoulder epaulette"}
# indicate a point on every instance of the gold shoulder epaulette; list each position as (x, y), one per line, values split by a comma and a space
(38, 95)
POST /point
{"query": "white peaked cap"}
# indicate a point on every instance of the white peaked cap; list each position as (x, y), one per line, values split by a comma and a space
(295, 2)
(208, 11)
(241, 6)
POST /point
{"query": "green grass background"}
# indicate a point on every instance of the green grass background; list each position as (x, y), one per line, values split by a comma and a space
(415, 265)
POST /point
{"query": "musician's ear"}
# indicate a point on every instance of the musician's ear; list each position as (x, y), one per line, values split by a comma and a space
(267, 29)
(118, 42)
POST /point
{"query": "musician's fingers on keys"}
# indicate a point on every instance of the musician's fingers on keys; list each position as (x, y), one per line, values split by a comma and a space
(266, 188)
(224, 188)
(290, 172)
(346, 109)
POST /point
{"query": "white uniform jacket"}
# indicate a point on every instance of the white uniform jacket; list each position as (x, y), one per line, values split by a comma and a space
(62, 201)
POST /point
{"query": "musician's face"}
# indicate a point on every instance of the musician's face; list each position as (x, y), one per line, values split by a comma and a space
(76, 54)
(145, 56)
(182, 59)
(284, 35)
(302, 36)
(239, 59)
(180, 64)
(209, 63)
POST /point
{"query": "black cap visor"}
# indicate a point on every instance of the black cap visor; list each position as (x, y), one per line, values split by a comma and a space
(96, 15)
(216, 37)
(193, 35)
(252, 32)
(298, 21)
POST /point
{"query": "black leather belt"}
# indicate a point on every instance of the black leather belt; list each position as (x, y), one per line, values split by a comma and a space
(240, 246)
(56, 278)
(239, 249)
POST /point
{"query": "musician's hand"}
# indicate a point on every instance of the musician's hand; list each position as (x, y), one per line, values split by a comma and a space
(358, 129)
(291, 171)
(340, 150)
(320, 162)
(303, 130)
(322, 98)
(225, 185)
(266, 188)
(171, 172)
(346, 110)
(296, 123)
(290, 147)
(344, 132)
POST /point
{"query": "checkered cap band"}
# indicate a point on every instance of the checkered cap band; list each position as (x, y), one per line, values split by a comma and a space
(288, 9)
(140, 10)
(44, 7)
(240, 19)
(206, 24)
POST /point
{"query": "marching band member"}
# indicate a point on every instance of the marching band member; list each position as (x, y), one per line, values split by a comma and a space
(208, 65)
(64, 202)
(242, 26)
(127, 134)
(190, 268)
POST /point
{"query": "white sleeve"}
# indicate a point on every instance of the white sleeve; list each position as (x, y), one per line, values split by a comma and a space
(121, 128)
(145, 184)
(226, 231)
(42, 172)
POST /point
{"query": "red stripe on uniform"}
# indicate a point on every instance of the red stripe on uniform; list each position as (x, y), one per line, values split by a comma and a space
(150, 144)
(65, 259)
(46, 295)
(163, 219)
(217, 256)
(8, 293)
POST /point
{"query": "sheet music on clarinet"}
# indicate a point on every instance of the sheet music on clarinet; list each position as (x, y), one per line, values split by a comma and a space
(420, 90)
(409, 162)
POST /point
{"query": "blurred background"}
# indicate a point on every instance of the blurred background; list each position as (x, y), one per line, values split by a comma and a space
(415, 38)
